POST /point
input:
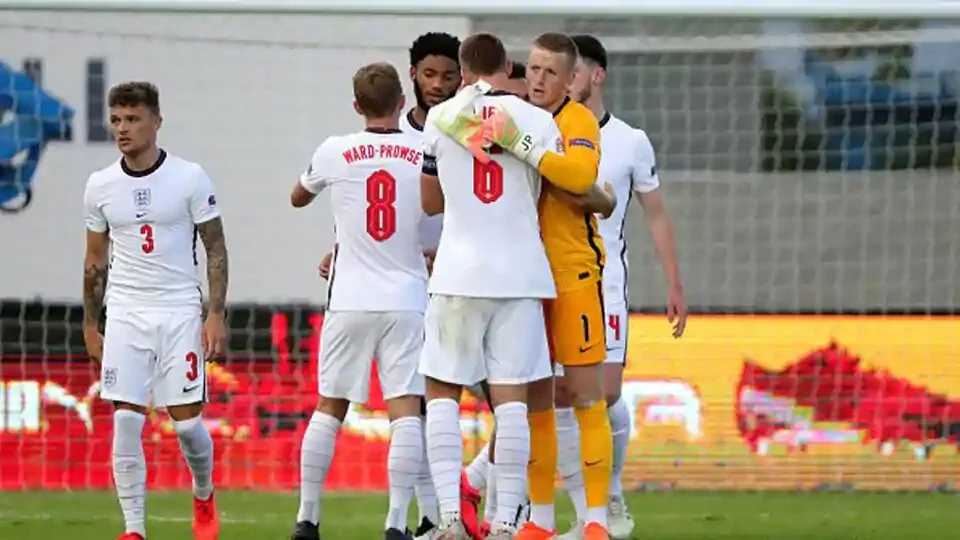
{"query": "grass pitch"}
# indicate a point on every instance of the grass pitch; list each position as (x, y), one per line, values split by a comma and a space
(677, 515)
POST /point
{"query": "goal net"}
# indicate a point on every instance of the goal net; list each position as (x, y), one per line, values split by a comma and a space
(810, 167)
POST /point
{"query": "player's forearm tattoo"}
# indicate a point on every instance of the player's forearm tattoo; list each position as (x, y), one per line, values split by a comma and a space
(211, 232)
(94, 289)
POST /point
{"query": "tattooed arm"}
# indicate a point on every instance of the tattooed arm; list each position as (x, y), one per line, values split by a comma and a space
(95, 265)
(211, 232)
(94, 277)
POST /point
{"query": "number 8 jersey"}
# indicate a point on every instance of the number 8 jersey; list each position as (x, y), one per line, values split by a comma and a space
(490, 246)
(374, 181)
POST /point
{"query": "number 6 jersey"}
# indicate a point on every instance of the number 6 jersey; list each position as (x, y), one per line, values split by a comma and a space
(374, 181)
(490, 246)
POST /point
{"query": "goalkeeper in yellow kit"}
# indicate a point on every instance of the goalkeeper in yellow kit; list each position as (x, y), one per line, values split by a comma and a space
(575, 321)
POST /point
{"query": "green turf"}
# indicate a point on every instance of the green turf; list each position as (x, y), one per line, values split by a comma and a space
(678, 515)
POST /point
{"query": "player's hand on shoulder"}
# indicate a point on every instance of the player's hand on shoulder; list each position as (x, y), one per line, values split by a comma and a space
(501, 129)
(214, 335)
(93, 340)
(324, 268)
(466, 128)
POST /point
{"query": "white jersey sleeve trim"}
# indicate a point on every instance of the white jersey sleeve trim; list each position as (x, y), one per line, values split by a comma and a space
(203, 201)
(315, 178)
(643, 172)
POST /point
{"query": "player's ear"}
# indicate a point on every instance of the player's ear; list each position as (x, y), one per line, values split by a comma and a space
(413, 73)
(401, 104)
(159, 121)
(357, 109)
(599, 75)
(509, 66)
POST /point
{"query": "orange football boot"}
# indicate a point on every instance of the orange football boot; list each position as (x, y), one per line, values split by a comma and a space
(206, 521)
(532, 531)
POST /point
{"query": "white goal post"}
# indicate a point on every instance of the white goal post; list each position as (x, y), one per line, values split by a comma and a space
(809, 152)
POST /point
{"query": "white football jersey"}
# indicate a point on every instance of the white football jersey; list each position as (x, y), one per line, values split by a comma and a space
(430, 226)
(491, 246)
(151, 217)
(628, 163)
(374, 182)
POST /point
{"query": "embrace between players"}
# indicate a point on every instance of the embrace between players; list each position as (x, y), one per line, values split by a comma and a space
(519, 283)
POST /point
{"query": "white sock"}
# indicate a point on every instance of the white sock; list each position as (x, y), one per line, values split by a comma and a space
(130, 469)
(197, 448)
(620, 425)
(511, 454)
(478, 470)
(445, 451)
(316, 453)
(490, 502)
(403, 467)
(427, 505)
(569, 465)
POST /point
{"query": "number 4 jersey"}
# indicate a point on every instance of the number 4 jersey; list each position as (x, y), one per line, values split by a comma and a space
(490, 246)
(374, 181)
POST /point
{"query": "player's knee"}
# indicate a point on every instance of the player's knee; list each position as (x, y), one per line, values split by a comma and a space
(122, 406)
(180, 413)
(403, 406)
(437, 389)
(335, 407)
(561, 397)
(540, 395)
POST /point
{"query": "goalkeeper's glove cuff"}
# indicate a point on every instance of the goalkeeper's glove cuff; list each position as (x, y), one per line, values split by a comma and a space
(535, 154)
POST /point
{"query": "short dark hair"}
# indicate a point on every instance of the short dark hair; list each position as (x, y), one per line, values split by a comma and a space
(483, 54)
(519, 71)
(434, 44)
(133, 94)
(556, 42)
(377, 89)
(591, 49)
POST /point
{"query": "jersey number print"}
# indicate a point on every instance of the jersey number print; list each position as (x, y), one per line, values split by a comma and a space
(381, 212)
(146, 231)
(488, 179)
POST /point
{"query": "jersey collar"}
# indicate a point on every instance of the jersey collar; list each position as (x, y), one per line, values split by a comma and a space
(146, 172)
(382, 131)
(605, 119)
(557, 112)
(413, 122)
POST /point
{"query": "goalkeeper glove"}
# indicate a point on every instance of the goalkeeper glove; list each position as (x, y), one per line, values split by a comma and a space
(500, 129)
(467, 130)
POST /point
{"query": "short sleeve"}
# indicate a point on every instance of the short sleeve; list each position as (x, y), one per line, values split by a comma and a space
(644, 169)
(93, 213)
(317, 176)
(203, 202)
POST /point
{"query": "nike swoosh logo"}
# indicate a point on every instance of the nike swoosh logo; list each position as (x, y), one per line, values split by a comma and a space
(587, 348)
(141, 215)
(188, 389)
(592, 463)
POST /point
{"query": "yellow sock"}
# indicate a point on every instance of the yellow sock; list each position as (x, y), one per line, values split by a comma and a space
(542, 470)
(596, 450)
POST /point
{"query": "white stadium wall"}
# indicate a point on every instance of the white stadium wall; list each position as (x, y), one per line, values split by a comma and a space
(250, 100)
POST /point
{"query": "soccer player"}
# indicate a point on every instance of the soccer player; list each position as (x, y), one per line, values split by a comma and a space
(575, 319)
(376, 294)
(628, 162)
(143, 214)
(485, 317)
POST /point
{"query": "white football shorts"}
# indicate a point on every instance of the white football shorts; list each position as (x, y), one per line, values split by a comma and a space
(153, 356)
(618, 320)
(350, 341)
(500, 340)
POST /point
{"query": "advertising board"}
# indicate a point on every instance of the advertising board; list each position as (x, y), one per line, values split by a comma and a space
(741, 402)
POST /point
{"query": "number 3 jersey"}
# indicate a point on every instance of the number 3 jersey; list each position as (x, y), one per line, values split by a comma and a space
(151, 217)
(373, 178)
(490, 246)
